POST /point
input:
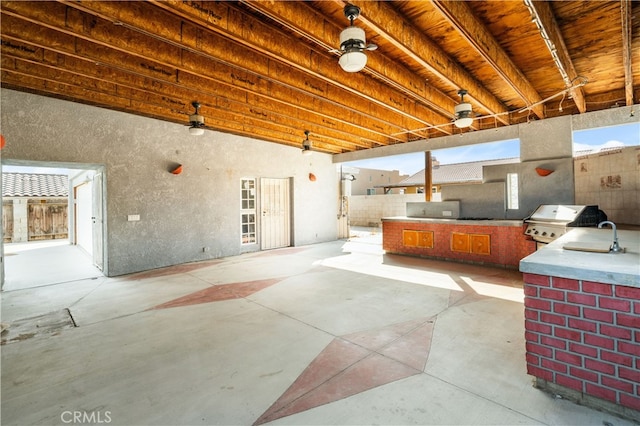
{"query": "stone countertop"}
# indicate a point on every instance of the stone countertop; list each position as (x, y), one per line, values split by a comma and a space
(610, 268)
(476, 222)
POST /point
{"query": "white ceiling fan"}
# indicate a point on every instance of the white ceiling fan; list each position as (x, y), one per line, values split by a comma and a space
(353, 43)
(196, 121)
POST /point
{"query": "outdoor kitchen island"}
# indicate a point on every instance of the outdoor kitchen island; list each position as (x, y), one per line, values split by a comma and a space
(582, 319)
(484, 241)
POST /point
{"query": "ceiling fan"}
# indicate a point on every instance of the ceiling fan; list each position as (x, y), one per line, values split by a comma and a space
(353, 43)
(196, 121)
(463, 112)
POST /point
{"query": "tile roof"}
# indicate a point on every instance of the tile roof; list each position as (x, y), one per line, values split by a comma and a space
(34, 185)
(455, 173)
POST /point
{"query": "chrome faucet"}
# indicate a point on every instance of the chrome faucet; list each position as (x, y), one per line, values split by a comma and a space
(614, 247)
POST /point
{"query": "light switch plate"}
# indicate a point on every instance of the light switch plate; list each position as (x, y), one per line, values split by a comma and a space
(133, 217)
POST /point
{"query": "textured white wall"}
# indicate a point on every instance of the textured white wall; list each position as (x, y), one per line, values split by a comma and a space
(611, 180)
(180, 214)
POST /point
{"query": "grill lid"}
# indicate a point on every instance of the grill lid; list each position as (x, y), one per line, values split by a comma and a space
(567, 215)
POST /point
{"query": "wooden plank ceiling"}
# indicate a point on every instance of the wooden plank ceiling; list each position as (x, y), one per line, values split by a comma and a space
(269, 69)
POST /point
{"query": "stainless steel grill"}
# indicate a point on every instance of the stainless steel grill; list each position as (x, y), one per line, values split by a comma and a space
(549, 221)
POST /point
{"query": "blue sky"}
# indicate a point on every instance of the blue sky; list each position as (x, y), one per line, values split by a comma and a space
(408, 164)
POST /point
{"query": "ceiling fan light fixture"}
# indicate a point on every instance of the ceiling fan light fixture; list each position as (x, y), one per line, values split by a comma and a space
(353, 43)
(353, 61)
(463, 112)
(196, 131)
(306, 144)
(196, 121)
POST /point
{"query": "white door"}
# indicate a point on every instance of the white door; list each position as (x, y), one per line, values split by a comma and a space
(275, 205)
(84, 217)
(97, 221)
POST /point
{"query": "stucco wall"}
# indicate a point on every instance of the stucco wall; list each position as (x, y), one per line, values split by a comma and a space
(611, 180)
(368, 210)
(179, 214)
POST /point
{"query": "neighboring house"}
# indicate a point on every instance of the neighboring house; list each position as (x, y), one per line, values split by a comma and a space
(34, 207)
(447, 174)
(369, 181)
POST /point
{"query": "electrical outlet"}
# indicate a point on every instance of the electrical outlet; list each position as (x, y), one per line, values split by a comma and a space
(133, 217)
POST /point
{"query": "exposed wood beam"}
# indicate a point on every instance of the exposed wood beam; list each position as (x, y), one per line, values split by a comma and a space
(382, 19)
(302, 19)
(625, 15)
(54, 65)
(189, 62)
(550, 31)
(459, 14)
(251, 33)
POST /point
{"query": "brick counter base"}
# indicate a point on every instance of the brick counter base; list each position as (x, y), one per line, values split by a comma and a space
(583, 341)
(508, 244)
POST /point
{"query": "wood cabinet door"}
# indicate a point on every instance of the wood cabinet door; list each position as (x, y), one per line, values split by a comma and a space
(460, 242)
(480, 243)
(425, 239)
(409, 238)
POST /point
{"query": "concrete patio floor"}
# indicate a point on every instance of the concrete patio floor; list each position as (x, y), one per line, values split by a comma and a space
(333, 333)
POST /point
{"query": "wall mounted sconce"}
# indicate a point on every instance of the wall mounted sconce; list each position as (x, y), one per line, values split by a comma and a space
(543, 172)
(177, 170)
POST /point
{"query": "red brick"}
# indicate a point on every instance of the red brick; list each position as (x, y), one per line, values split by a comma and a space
(569, 382)
(617, 384)
(552, 319)
(583, 325)
(596, 365)
(569, 358)
(553, 365)
(532, 358)
(540, 372)
(628, 320)
(565, 333)
(537, 327)
(582, 349)
(535, 279)
(563, 308)
(530, 290)
(617, 332)
(629, 374)
(581, 299)
(565, 283)
(595, 340)
(550, 341)
(539, 350)
(629, 348)
(531, 314)
(547, 293)
(584, 374)
(616, 358)
(600, 392)
(597, 288)
(531, 336)
(630, 401)
(615, 304)
(598, 315)
(636, 307)
(628, 292)
(542, 305)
